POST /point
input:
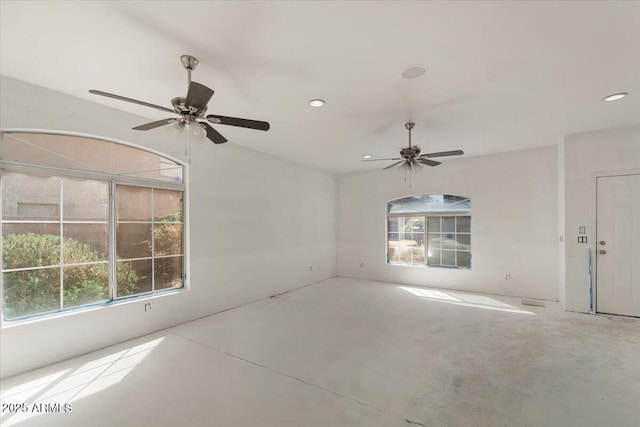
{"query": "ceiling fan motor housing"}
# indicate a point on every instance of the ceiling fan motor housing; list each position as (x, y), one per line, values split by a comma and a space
(189, 113)
(410, 153)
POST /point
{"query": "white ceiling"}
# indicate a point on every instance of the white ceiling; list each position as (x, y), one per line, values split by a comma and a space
(501, 76)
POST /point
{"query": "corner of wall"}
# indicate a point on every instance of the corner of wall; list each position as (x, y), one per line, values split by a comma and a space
(562, 296)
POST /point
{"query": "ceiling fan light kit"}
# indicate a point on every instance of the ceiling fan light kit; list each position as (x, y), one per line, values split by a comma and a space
(191, 110)
(411, 161)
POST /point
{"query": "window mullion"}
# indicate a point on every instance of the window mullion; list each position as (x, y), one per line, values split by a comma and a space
(112, 242)
(153, 251)
(61, 213)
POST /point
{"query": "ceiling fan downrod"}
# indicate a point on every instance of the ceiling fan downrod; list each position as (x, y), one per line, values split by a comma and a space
(409, 126)
(189, 62)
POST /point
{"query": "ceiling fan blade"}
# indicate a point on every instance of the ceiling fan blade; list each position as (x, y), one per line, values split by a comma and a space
(394, 164)
(376, 160)
(135, 101)
(213, 134)
(234, 121)
(153, 125)
(444, 154)
(198, 96)
(428, 162)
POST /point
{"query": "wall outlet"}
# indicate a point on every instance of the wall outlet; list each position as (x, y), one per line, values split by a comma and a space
(507, 277)
(147, 307)
(362, 265)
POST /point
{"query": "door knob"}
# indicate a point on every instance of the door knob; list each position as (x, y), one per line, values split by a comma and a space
(602, 251)
(602, 242)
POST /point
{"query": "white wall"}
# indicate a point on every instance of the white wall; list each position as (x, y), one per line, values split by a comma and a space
(586, 156)
(258, 224)
(514, 223)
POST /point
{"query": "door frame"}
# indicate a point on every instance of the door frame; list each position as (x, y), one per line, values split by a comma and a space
(593, 225)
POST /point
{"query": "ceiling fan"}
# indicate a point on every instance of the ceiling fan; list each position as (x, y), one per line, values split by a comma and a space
(410, 158)
(191, 109)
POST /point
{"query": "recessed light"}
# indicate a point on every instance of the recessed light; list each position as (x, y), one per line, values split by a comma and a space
(414, 72)
(316, 102)
(615, 96)
(366, 156)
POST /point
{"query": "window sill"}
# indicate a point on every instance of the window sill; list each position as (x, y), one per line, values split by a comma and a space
(444, 267)
(37, 318)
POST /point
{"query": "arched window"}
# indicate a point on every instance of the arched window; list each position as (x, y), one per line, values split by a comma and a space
(86, 221)
(430, 229)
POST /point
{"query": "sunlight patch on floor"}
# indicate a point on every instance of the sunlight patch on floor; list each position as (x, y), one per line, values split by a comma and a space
(464, 299)
(70, 385)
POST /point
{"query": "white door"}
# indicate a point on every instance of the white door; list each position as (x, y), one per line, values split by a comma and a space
(618, 245)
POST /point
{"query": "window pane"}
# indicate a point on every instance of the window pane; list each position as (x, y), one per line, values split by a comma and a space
(393, 252)
(417, 224)
(167, 239)
(30, 245)
(31, 292)
(168, 273)
(30, 197)
(433, 223)
(448, 241)
(85, 200)
(429, 203)
(133, 240)
(134, 277)
(404, 253)
(167, 206)
(411, 204)
(406, 224)
(456, 202)
(449, 224)
(394, 225)
(85, 284)
(133, 203)
(418, 254)
(433, 257)
(463, 224)
(393, 255)
(464, 259)
(448, 258)
(418, 238)
(433, 241)
(445, 202)
(134, 162)
(85, 242)
(63, 151)
(87, 154)
(464, 241)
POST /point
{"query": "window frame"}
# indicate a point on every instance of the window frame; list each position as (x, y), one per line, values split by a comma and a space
(426, 215)
(112, 180)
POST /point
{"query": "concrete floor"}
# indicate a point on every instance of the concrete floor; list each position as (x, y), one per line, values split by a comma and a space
(349, 352)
